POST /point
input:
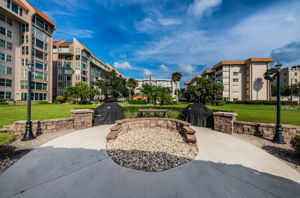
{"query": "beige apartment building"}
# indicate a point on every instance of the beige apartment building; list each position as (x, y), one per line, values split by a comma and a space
(289, 76)
(168, 83)
(25, 37)
(74, 62)
(242, 80)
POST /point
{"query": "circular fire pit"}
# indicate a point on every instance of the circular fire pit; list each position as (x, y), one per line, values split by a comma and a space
(151, 144)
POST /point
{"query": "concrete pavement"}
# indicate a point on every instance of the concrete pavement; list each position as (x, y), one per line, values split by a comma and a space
(77, 165)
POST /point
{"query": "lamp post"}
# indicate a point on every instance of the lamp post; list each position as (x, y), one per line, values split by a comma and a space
(278, 137)
(28, 135)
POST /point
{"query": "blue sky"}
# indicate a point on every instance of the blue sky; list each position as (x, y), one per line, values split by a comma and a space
(158, 37)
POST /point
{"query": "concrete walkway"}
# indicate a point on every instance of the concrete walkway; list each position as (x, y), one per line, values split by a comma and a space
(76, 165)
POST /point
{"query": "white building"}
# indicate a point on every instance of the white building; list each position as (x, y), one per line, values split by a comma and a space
(159, 82)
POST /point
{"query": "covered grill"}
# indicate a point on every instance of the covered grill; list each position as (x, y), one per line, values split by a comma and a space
(198, 115)
(108, 113)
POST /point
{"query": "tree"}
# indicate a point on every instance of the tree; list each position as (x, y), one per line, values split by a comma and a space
(176, 77)
(111, 85)
(132, 84)
(149, 91)
(205, 90)
(80, 93)
(155, 93)
(270, 75)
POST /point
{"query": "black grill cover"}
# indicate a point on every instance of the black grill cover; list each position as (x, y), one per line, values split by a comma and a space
(198, 115)
(108, 113)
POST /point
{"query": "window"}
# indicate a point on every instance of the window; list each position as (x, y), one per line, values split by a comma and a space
(68, 78)
(68, 84)
(5, 57)
(5, 32)
(78, 64)
(85, 60)
(5, 70)
(35, 85)
(77, 71)
(235, 73)
(225, 93)
(225, 73)
(35, 96)
(5, 82)
(25, 27)
(60, 77)
(25, 50)
(68, 64)
(84, 79)
(84, 72)
(60, 84)
(5, 44)
(5, 19)
(40, 65)
(68, 71)
(64, 49)
(14, 7)
(39, 33)
(38, 43)
(5, 95)
(78, 51)
(84, 66)
(41, 23)
(39, 54)
(77, 78)
(77, 57)
(54, 50)
(25, 38)
(235, 80)
(24, 61)
(236, 93)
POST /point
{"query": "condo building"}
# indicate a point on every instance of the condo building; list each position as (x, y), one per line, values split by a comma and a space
(25, 37)
(73, 62)
(168, 83)
(289, 76)
(242, 80)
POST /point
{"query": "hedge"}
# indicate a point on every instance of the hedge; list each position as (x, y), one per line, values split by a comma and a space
(262, 102)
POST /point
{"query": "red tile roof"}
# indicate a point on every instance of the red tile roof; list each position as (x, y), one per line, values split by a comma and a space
(20, 3)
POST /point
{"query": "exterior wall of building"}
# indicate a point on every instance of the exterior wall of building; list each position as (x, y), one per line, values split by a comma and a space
(73, 63)
(242, 80)
(159, 82)
(31, 38)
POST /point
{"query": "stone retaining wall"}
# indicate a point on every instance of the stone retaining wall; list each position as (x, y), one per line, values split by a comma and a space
(81, 119)
(140, 123)
(227, 123)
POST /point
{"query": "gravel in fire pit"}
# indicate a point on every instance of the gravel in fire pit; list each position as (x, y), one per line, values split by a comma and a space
(151, 149)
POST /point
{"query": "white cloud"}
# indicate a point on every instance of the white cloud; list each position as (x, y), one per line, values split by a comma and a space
(168, 21)
(147, 73)
(187, 69)
(255, 36)
(200, 7)
(164, 68)
(123, 65)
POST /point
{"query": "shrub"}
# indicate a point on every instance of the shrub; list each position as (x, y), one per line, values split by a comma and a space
(59, 99)
(219, 102)
(262, 102)
(3, 103)
(43, 102)
(295, 142)
(133, 102)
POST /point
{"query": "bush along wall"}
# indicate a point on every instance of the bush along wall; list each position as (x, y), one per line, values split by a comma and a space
(262, 102)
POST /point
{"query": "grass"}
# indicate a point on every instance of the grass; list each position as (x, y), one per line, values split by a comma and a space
(246, 112)
(260, 113)
(6, 138)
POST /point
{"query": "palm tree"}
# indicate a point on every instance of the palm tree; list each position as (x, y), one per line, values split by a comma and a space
(132, 84)
(176, 77)
(270, 75)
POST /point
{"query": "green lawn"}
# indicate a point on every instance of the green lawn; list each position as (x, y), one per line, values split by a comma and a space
(250, 113)
(260, 113)
(6, 138)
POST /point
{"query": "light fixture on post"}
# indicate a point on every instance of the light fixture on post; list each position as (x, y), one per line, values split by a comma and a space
(28, 135)
(278, 137)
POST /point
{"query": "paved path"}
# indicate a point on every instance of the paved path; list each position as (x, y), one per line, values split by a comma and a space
(76, 165)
